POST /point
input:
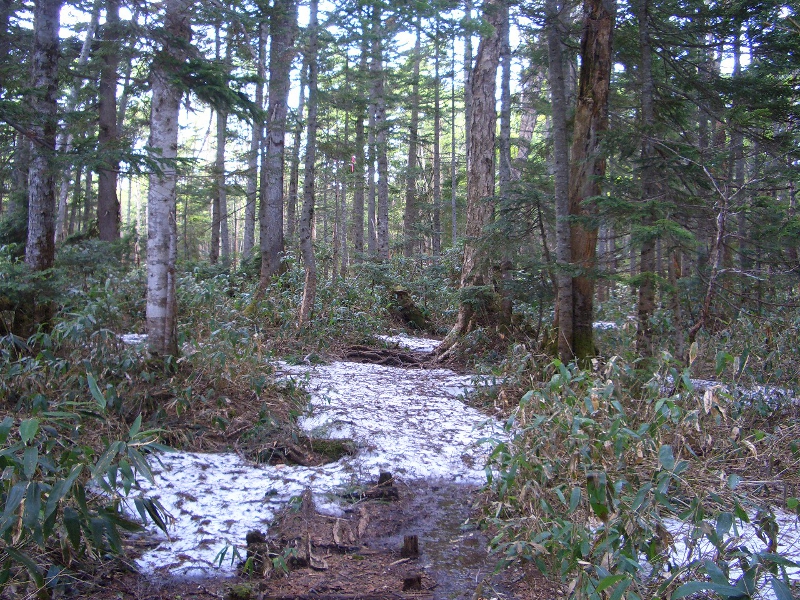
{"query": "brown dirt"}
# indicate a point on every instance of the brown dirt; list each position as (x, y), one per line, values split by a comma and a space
(358, 556)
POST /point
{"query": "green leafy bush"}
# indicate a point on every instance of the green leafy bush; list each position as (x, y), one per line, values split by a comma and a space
(61, 496)
(598, 469)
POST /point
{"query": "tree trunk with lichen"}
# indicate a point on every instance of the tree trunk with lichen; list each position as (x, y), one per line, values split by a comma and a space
(480, 180)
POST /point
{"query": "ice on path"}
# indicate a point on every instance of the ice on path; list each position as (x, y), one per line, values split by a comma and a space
(409, 422)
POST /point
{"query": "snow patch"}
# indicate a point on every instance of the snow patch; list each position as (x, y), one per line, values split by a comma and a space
(411, 343)
(409, 422)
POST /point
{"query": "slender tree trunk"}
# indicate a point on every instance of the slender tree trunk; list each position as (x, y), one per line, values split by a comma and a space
(216, 221)
(558, 100)
(40, 247)
(108, 209)
(480, 184)
(221, 189)
(588, 164)
(410, 216)
(372, 225)
(283, 27)
(307, 214)
(76, 197)
(531, 91)
(381, 138)
(646, 301)
(66, 139)
(453, 158)
(255, 146)
(468, 77)
(504, 154)
(294, 173)
(437, 153)
(161, 224)
(357, 162)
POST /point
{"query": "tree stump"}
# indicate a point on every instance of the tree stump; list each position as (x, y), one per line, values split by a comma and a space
(410, 547)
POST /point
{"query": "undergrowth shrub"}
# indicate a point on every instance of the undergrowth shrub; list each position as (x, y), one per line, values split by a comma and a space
(602, 469)
(67, 461)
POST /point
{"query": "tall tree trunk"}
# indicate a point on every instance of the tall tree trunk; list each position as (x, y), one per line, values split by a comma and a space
(381, 138)
(410, 216)
(437, 154)
(294, 173)
(357, 162)
(283, 28)
(108, 210)
(504, 154)
(40, 247)
(468, 77)
(647, 265)
(558, 101)
(220, 185)
(307, 213)
(66, 138)
(453, 157)
(588, 164)
(372, 190)
(480, 182)
(161, 225)
(255, 146)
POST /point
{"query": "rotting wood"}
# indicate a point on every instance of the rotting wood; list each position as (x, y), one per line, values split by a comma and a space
(412, 582)
(410, 546)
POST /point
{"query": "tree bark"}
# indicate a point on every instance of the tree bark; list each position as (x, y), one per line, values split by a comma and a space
(220, 187)
(437, 155)
(558, 101)
(40, 246)
(480, 182)
(294, 173)
(647, 255)
(161, 224)
(588, 164)
(66, 138)
(357, 215)
(504, 155)
(467, 77)
(410, 215)
(381, 138)
(307, 214)
(108, 210)
(283, 28)
(249, 239)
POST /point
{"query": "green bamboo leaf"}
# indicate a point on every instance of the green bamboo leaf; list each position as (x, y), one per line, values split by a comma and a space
(95, 390)
(30, 461)
(666, 457)
(607, 582)
(782, 591)
(28, 429)
(5, 429)
(574, 499)
(135, 427)
(29, 564)
(687, 589)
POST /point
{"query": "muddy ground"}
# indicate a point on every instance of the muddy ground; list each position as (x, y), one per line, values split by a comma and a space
(359, 556)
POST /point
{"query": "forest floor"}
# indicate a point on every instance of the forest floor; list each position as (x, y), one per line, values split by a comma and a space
(348, 537)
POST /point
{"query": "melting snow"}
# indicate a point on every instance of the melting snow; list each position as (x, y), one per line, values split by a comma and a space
(411, 343)
(409, 422)
(741, 535)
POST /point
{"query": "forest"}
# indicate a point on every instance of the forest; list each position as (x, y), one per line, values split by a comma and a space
(590, 207)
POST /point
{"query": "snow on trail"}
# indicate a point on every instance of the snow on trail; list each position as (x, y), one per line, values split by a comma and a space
(409, 422)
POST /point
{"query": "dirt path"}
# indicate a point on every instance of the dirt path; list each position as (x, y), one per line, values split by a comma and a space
(408, 421)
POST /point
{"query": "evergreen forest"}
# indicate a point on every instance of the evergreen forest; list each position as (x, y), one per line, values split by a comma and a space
(590, 204)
